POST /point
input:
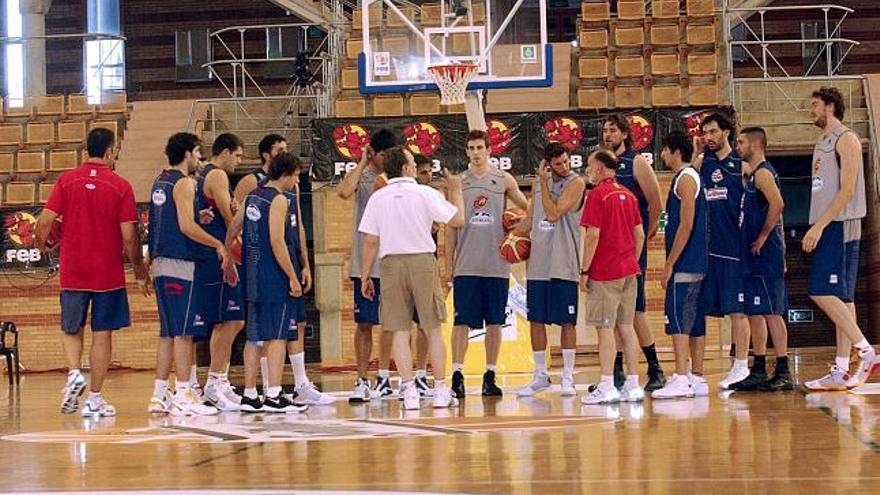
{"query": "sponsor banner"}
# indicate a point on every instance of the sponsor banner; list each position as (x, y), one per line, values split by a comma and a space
(517, 139)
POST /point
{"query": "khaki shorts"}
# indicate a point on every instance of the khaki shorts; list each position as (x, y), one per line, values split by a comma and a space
(411, 282)
(611, 302)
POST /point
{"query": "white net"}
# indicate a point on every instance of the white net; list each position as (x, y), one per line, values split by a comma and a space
(452, 80)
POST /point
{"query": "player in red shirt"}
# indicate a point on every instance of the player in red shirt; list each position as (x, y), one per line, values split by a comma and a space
(100, 221)
(614, 234)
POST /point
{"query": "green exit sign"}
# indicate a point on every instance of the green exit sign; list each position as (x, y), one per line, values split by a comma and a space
(800, 315)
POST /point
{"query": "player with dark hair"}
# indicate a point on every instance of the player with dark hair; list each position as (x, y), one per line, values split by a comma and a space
(361, 183)
(636, 174)
(553, 218)
(480, 276)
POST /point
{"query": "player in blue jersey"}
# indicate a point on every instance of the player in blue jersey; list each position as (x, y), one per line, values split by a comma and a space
(636, 174)
(224, 306)
(764, 263)
(174, 237)
(722, 291)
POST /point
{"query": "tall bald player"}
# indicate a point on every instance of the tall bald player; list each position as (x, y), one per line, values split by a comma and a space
(837, 206)
(480, 274)
(361, 183)
(637, 175)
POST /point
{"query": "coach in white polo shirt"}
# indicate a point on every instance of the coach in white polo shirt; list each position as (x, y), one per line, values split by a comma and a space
(397, 224)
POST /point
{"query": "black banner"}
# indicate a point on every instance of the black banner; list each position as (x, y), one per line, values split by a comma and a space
(517, 139)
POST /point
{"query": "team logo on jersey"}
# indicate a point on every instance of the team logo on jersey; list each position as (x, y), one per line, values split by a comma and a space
(198, 321)
(253, 213)
(480, 202)
(232, 305)
(544, 224)
(482, 218)
(817, 183)
(291, 325)
(716, 194)
(717, 176)
(623, 197)
(293, 220)
(90, 186)
(159, 198)
(817, 164)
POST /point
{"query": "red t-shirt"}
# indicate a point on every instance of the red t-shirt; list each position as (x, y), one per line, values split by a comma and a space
(93, 201)
(614, 210)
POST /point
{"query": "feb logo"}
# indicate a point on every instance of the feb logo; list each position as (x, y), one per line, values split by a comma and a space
(641, 131)
(422, 138)
(717, 176)
(693, 121)
(480, 202)
(21, 228)
(350, 140)
(499, 137)
(565, 131)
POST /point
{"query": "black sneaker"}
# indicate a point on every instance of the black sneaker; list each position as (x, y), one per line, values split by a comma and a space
(383, 387)
(656, 379)
(489, 387)
(751, 382)
(779, 382)
(282, 404)
(458, 384)
(251, 405)
(422, 386)
(619, 376)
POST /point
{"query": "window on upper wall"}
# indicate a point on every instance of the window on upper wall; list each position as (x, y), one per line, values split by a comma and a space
(14, 56)
(104, 58)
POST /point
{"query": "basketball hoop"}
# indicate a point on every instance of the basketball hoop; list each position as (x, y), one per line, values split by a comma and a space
(452, 80)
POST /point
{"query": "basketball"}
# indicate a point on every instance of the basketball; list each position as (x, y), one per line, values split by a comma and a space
(516, 248)
(511, 218)
(54, 238)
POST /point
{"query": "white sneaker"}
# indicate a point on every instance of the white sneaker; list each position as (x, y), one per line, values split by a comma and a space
(216, 396)
(568, 389)
(73, 389)
(160, 405)
(699, 385)
(869, 363)
(443, 397)
(188, 404)
(539, 383)
(676, 387)
(601, 395)
(361, 392)
(411, 397)
(98, 408)
(229, 392)
(735, 375)
(632, 393)
(307, 393)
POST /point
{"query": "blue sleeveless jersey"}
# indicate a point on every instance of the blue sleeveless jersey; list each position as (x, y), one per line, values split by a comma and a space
(694, 258)
(164, 237)
(771, 262)
(265, 281)
(217, 227)
(723, 184)
(626, 177)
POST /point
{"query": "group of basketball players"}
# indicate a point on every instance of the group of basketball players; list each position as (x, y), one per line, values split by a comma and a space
(725, 252)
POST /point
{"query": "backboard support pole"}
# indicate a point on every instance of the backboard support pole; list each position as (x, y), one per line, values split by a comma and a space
(473, 109)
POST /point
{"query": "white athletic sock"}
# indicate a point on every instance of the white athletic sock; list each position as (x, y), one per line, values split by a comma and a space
(863, 346)
(457, 367)
(568, 361)
(264, 372)
(606, 381)
(490, 367)
(250, 393)
(741, 363)
(193, 374)
(94, 398)
(632, 380)
(540, 362)
(383, 373)
(214, 377)
(73, 371)
(422, 373)
(298, 364)
(273, 392)
(160, 388)
(842, 363)
(181, 387)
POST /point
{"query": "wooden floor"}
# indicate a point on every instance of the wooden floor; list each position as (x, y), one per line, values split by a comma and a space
(742, 443)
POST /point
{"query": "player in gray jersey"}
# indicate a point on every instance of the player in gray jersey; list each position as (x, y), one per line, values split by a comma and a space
(837, 206)
(553, 218)
(480, 275)
(360, 183)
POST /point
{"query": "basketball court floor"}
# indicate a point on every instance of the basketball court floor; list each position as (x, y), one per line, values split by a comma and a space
(740, 443)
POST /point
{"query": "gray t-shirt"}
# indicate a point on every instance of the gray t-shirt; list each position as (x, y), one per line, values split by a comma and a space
(476, 252)
(826, 180)
(556, 246)
(365, 188)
